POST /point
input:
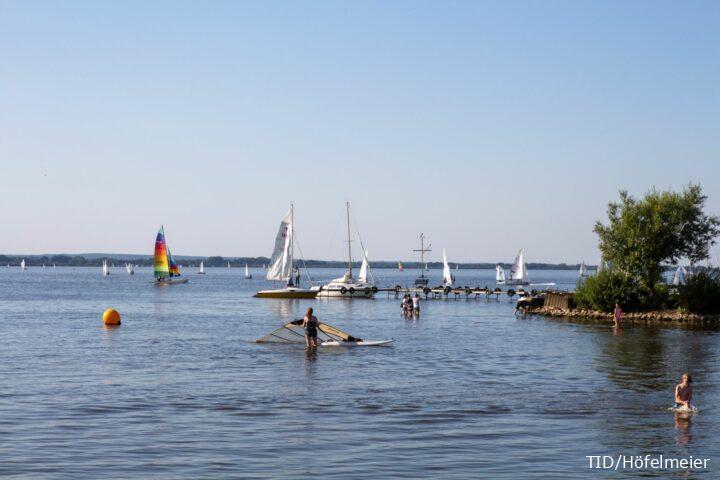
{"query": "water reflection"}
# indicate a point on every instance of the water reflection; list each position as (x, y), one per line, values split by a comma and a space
(683, 423)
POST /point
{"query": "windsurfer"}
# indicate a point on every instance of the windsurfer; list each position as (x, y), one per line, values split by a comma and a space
(310, 324)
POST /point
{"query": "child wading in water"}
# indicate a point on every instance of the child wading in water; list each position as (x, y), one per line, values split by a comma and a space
(617, 314)
(683, 392)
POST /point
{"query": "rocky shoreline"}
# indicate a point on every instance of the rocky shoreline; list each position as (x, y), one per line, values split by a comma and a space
(663, 316)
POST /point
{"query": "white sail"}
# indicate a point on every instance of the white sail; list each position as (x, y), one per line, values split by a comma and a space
(247, 271)
(679, 277)
(229, 265)
(447, 277)
(363, 276)
(22, 264)
(105, 270)
(583, 270)
(202, 266)
(281, 258)
(129, 268)
(499, 274)
(518, 271)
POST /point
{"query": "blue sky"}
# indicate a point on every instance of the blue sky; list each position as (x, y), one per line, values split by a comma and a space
(490, 126)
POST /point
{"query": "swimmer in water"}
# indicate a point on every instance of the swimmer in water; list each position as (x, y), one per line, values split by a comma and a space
(683, 392)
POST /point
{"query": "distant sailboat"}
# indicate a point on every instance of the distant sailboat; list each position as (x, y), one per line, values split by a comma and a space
(43, 265)
(202, 268)
(400, 266)
(447, 276)
(499, 275)
(365, 276)
(679, 277)
(583, 270)
(457, 266)
(422, 280)
(518, 271)
(229, 267)
(129, 268)
(22, 265)
(54, 266)
(247, 272)
(164, 264)
(105, 269)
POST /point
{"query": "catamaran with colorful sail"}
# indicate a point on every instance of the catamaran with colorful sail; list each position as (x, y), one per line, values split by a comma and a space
(166, 269)
(281, 263)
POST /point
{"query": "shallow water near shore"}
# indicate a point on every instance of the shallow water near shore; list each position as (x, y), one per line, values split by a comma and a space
(467, 390)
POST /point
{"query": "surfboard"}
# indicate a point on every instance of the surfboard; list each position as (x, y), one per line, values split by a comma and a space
(363, 343)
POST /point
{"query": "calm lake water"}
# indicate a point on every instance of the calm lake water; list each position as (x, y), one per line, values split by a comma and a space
(467, 391)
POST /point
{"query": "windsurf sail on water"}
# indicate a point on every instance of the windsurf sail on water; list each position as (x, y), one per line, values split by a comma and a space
(281, 261)
(499, 274)
(293, 332)
(447, 277)
(160, 261)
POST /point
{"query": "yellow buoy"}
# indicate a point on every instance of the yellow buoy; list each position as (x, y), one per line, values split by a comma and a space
(111, 317)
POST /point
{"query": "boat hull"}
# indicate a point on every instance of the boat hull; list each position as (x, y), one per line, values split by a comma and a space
(287, 293)
(172, 282)
(347, 292)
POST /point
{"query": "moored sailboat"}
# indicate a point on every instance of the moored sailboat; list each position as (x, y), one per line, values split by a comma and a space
(165, 268)
(346, 286)
(422, 280)
(447, 276)
(281, 263)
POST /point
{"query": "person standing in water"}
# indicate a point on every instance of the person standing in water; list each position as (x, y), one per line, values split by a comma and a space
(617, 314)
(311, 324)
(416, 304)
(683, 392)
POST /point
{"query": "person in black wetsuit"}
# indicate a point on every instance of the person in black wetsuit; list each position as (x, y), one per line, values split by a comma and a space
(310, 324)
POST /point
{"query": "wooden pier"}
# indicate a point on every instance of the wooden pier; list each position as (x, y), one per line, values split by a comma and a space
(444, 293)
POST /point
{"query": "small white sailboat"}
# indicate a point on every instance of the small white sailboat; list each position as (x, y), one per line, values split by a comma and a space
(129, 268)
(202, 268)
(22, 265)
(499, 275)
(229, 267)
(105, 269)
(43, 265)
(447, 276)
(54, 266)
(583, 270)
(247, 272)
(518, 271)
(679, 277)
(281, 263)
(365, 275)
(346, 286)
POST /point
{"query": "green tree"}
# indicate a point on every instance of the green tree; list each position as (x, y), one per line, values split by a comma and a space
(663, 227)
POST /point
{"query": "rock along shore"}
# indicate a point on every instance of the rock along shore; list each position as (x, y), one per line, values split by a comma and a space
(661, 316)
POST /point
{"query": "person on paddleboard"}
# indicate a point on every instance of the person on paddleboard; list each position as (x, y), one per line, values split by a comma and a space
(311, 324)
(683, 392)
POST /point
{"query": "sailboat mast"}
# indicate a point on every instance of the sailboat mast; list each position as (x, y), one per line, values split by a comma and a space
(422, 255)
(292, 236)
(347, 211)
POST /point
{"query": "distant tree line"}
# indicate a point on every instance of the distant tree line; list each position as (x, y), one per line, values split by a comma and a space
(218, 261)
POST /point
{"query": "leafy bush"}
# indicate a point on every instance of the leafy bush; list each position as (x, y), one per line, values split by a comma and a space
(701, 292)
(602, 291)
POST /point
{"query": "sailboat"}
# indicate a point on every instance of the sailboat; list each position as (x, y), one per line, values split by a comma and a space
(229, 267)
(22, 265)
(281, 263)
(105, 269)
(400, 266)
(499, 275)
(422, 280)
(447, 276)
(518, 271)
(202, 268)
(164, 264)
(43, 265)
(583, 270)
(346, 286)
(129, 268)
(679, 277)
(247, 272)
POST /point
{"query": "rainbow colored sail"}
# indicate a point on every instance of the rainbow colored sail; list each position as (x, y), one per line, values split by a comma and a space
(161, 264)
(174, 268)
